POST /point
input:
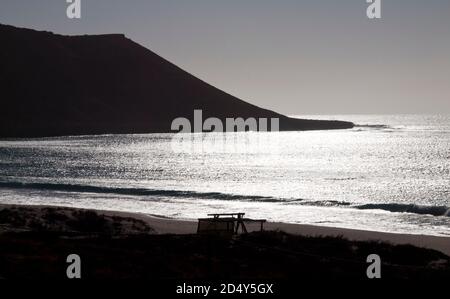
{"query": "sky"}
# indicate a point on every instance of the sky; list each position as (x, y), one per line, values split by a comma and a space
(291, 56)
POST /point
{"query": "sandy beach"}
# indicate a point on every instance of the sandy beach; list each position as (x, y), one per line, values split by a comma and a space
(173, 226)
(36, 240)
(164, 225)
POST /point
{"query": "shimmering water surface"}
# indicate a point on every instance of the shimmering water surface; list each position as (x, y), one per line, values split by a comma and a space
(389, 173)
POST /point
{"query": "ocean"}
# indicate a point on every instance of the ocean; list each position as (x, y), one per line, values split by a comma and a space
(390, 173)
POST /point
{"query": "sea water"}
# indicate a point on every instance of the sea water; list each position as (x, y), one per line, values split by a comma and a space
(389, 173)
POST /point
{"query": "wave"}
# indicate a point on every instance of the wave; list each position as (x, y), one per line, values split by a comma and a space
(320, 203)
(408, 208)
(390, 207)
(134, 191)
(379, 128)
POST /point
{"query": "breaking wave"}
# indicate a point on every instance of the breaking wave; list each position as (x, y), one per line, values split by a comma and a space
(390, 207)
(408, 208)
(134, 191)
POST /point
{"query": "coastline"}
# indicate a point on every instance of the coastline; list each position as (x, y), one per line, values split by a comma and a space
(163, 225)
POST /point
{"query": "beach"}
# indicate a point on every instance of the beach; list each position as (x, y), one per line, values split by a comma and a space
(165, 225)
(36, 241)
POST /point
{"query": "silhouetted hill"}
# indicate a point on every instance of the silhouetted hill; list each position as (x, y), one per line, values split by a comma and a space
(95, 84)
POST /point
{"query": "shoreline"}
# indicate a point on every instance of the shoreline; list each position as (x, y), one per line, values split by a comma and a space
(165, 225)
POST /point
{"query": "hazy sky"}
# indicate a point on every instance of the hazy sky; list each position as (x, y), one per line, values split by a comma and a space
(293, 56)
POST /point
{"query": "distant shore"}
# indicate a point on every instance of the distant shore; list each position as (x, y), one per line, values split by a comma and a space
(165, 225)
